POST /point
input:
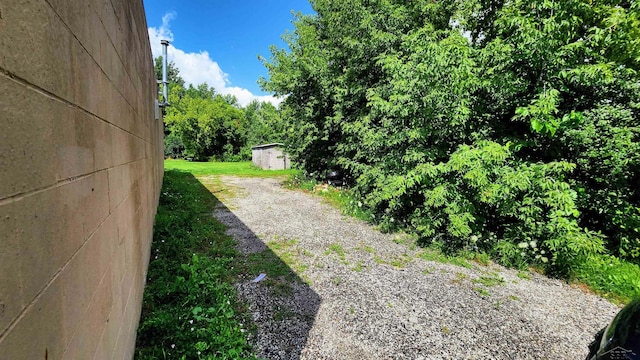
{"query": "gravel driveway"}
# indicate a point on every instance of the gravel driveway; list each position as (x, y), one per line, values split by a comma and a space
(355, 293)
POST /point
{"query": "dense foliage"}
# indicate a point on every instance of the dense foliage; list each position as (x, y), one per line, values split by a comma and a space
(510, 126)
(202, 125)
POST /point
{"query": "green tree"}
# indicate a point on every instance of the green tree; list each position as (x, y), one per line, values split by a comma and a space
(199, 123)
(385, 89)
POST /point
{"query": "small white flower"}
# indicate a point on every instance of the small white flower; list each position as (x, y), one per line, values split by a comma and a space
(523, 245)
(191, 321)
(392, 220)
(359, 204)
(228, 303)
(522, 254)
(473, 238)
(533, 244)
(242, 330)
(542, 252)
(191, 329)
(544, 259)
(198, 352)
(173, 346)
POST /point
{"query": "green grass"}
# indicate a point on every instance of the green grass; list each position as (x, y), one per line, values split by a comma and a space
(368, 249)
(437, 256)
(612, 278)
(245, 168)
(525, 275)
(189, 304)
(358, 267)
(338, 250)
(489, 280)
(482, 291)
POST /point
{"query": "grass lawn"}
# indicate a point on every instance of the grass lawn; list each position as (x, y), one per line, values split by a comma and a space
(245, 168)
(190, 308)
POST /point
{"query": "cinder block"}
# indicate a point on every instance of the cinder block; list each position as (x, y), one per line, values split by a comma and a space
(88, 201)
(88, 82)
(119, 185)
(78, 178)
(12, 300)
(86, 339)
(37, 227)
(75, 144)
(84, 272)
(80, 19)
(52, 225)
(39, 333)
(27, 149)
(36, 46)
(103, 157)
(109, 338)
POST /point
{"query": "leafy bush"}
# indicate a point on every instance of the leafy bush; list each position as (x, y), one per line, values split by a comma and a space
(494, 125)
(173, 147)
(606, 151)
(483, 195)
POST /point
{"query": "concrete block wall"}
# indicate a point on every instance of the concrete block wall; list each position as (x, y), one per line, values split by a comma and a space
(80, 174)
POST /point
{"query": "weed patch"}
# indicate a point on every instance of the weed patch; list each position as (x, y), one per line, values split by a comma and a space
(524, 275)
(482, 291)
(190, 310)
(358, 267)
(615, 279)
(438, 256)
(339, 251)
(489, 280)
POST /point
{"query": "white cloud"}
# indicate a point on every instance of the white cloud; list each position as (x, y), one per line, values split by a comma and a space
(197, 68)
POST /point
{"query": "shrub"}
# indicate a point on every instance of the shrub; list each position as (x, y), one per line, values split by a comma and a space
(485, 197)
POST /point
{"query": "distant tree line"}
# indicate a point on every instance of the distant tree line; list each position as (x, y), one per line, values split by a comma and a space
(509, 127)
(202, 125)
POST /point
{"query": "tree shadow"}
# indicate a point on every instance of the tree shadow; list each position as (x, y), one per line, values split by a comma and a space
(282, 306)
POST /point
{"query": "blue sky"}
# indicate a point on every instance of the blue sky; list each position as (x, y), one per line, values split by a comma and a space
(218, 42)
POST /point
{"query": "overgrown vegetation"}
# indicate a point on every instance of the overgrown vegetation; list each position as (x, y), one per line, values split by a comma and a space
(510, 127)
(189, 308)
(202, 125)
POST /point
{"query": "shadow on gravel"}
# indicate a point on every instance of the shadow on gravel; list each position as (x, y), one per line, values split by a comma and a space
(282, 306)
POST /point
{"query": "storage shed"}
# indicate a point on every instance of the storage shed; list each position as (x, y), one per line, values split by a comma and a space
(270, 157)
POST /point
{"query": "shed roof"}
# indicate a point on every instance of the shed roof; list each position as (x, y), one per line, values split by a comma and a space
(266, 146)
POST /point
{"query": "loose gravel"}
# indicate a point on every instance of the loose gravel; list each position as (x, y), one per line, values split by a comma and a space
(361, 294)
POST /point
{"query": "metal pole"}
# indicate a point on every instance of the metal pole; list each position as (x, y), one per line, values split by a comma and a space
(165, 82)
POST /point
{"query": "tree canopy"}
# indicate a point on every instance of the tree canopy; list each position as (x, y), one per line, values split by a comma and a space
(201, 124)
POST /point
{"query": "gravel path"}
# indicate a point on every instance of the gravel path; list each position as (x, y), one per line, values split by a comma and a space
(361, 294)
